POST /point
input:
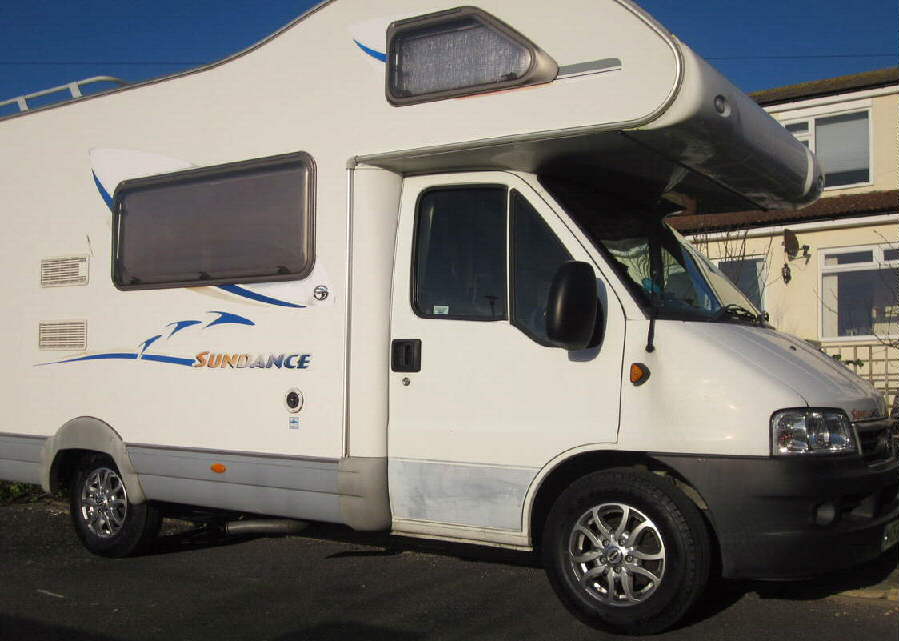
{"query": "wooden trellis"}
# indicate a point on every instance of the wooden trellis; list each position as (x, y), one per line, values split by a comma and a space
(875, 362)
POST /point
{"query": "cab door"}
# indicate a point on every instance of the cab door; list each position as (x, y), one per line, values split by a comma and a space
(480, 400)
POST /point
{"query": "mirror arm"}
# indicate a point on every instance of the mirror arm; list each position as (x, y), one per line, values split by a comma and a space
(652, 331)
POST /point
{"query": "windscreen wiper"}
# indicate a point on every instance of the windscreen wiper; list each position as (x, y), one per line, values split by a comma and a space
(738, 312)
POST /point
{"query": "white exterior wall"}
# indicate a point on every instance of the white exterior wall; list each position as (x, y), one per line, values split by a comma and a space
(312, 89)
(375, 207)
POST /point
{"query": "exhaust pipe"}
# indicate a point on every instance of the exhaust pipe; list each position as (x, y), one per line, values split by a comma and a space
(270, 527)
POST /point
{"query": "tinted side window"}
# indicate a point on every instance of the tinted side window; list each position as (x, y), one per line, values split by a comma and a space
(460, 253)
(242, 222)
(536, 256)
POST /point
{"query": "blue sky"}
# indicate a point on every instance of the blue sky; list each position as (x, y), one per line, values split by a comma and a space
(757, 43)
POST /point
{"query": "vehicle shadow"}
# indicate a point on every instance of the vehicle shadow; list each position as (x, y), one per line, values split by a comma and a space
(722, 594)
(869, 575)
(342, 630)
(20, 628)
(184, 536)
(719, 595)
(23, 629)
(383, 544)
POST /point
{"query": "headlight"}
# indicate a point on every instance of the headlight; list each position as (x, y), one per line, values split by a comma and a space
(811, 431)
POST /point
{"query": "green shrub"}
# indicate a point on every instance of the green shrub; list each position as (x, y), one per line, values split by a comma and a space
(19, 492)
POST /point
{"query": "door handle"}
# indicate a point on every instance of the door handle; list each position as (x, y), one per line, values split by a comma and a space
(405, 355)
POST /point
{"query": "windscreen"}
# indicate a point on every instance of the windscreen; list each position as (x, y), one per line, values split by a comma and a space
(659, 266)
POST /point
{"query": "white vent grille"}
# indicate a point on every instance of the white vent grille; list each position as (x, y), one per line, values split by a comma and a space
(65, 270)
(63, 335)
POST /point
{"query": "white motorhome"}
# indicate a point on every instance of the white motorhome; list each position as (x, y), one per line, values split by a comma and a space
(403, 266)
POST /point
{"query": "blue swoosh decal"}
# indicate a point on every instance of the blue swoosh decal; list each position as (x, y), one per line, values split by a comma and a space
(374, 53)
(126, 356)
(228, 318)
(181, 325)
(174, 360)
(262, 298)
(99, 357)
(146, 344)
(103, 193)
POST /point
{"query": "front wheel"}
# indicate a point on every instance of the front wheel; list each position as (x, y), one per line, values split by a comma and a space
(626, 551)
(106, 521)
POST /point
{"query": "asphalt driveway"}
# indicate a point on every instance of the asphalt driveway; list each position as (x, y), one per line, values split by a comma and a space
(331, 583)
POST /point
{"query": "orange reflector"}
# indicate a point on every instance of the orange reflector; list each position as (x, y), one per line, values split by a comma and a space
(639, 373)
(218, 468)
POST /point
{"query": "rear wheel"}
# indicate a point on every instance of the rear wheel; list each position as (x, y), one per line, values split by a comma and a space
(626, 551)
(106, 521)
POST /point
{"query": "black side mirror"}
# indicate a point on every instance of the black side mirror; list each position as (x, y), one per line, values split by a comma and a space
(572, 306)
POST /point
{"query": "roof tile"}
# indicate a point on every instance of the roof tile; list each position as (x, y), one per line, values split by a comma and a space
(830, 208)
(828, 86)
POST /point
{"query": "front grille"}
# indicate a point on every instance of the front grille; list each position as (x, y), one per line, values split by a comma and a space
(876, 441)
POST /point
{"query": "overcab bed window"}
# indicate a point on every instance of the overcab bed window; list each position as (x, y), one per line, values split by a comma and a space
(238, 223)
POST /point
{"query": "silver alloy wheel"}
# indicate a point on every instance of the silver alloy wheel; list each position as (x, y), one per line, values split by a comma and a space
(617, 554)
(104, 502)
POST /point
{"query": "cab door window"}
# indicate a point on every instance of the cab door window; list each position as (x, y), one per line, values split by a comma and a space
(537, 255)
(460, 253)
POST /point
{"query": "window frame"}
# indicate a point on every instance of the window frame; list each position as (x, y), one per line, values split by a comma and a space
(416, 231)
(877, 262)
(763, 274)
(511, 250)
(809, 136)
(206, 173)
(541, 69)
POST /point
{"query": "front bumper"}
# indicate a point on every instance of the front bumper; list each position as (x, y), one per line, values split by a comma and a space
(767, 512)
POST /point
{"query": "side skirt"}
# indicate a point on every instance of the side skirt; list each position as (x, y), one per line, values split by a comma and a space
(20, 457)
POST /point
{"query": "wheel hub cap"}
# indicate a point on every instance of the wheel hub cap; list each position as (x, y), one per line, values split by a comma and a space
(104, 502)
(616, 554)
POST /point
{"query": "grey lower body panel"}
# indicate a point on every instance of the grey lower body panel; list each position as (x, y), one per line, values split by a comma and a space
(480, 496)
(20, 458)
(351, 491)
(274, 501)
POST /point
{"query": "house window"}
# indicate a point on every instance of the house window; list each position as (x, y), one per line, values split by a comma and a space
(841, 143)
(748, 274)
(860, 292)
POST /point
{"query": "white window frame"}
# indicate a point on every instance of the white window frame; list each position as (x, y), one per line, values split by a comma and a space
(811, 114)
(763, 276)
(877, 262)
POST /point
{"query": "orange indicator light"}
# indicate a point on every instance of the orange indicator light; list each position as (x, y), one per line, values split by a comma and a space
(218, 468)
(639, 373)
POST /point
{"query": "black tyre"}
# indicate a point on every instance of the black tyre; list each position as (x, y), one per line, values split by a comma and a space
(106, 521)
(626, 551)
